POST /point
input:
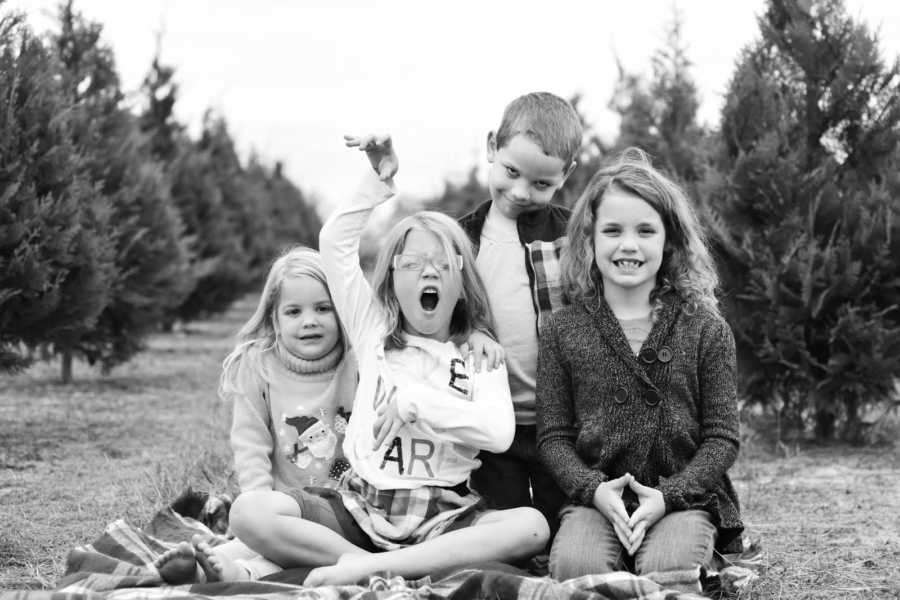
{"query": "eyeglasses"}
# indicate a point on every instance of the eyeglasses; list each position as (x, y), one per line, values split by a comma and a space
(416, 262)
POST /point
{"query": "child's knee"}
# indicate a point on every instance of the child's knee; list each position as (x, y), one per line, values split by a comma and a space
(535, 528)
(571, 562)
(682, 540)
(249, 516)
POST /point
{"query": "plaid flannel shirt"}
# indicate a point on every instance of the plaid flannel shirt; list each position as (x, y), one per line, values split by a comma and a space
(543, 235)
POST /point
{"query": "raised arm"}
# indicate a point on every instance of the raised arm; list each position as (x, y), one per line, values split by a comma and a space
(340, 235)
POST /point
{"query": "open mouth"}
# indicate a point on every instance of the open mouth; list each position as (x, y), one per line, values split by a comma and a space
(310, 337)
(428, 299)
(628, 264)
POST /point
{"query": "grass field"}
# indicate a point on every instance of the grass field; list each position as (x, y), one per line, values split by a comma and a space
(73, 458)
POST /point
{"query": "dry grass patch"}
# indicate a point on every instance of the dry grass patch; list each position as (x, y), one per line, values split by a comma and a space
(828, 519)
(76, 457)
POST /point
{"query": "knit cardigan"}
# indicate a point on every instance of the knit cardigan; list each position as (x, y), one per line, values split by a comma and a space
(667, 416)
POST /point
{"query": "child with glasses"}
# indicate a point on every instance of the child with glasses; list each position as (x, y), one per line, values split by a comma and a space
(421, 413)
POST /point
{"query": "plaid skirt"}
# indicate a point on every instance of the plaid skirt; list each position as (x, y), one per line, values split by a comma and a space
(397, 518)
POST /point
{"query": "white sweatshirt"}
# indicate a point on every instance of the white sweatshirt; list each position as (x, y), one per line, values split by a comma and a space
(451, 412)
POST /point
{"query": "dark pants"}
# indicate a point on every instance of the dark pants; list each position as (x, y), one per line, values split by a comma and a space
(518, 478)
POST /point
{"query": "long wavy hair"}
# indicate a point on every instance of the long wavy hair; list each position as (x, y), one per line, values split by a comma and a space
(259, 334)
(687, 266)
(472, 312)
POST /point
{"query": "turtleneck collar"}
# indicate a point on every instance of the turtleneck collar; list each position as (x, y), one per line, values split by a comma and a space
(302, 366)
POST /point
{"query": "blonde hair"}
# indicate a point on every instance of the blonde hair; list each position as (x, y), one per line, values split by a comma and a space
(472, 311)
(259, 334)
(687, 267)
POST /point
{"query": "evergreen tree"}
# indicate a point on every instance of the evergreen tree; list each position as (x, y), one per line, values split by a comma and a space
(219, 266)
(266, 214)
(247, 204)
(804, 202)
(158, 118)
(218, 271)
(150, 253)
(459, 199)
(660, 116)
(593, 149)
(56, 258)
(238, 219)
(192, 189)
(637, 108)
(292, 217)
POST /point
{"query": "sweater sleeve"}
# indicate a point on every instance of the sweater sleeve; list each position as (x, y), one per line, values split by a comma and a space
(339, 246)
(556, 431)
(251, 435)
(485, 422)
(719, 424)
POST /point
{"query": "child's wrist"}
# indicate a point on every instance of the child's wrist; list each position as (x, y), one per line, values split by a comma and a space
(374, 189)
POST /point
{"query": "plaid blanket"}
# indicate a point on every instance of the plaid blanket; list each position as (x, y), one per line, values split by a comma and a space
(119, 566)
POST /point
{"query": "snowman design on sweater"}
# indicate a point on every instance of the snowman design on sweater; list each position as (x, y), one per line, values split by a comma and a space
(315, 448)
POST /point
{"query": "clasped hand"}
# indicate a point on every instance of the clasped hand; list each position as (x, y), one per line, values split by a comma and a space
(630, 530)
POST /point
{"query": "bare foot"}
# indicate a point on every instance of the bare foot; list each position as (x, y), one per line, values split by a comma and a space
(217, 567)
(178, 565)
(348, 569)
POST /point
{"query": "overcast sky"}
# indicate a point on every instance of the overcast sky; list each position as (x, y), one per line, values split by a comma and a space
(291, 77)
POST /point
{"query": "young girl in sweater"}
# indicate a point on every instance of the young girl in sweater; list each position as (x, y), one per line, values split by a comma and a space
(422, 412)
(637, 411)
(291, 380)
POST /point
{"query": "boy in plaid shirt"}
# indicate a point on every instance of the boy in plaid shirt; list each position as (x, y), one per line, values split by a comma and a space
(518, 236)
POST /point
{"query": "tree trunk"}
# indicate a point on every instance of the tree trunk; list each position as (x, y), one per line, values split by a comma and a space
(825, 416)
(825, 424)
(66, 364)
(852, 430)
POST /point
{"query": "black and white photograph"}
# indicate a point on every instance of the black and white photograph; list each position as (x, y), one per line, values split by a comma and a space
(383, 299)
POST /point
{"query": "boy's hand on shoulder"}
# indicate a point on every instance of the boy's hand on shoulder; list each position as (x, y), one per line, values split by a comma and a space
(481, 348)
(379, 150)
